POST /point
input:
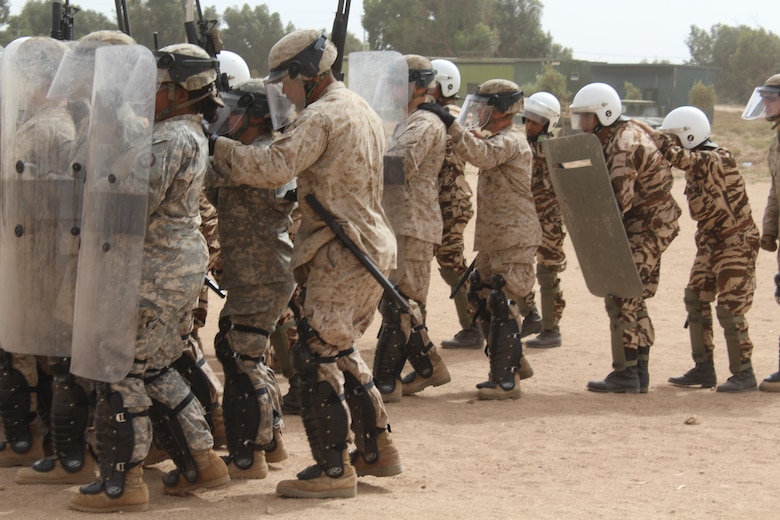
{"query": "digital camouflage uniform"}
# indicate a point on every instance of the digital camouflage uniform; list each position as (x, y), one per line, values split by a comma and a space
(256, 252)
(727, 241)
(771, 228)
(335, 147)
(642, 182)
(550, 258)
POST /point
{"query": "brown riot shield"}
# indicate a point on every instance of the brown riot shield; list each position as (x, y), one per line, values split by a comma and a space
(581, 181)
(115, 209)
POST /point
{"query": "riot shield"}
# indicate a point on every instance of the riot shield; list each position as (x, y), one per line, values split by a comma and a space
(40, 199)
(114, 218)
(590, 211)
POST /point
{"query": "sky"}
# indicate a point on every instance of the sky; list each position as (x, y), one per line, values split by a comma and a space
(615, 31)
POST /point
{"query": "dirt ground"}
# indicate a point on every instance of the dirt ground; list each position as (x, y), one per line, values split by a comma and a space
(557, 452)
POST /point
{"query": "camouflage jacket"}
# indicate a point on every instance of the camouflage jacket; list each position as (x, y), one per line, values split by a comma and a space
(771, 222)
(641, 178)
(421, 140)
(506, 214)
(547, 207)
(174, 246)
(715, 189)
(335, 147)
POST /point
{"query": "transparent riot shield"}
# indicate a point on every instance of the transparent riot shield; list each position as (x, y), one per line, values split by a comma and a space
(40, 201)
(581, 181)
(114, 217)
(382, 79)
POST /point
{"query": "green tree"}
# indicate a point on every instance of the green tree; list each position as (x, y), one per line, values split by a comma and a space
(519, 23)
(745, 56)
(35, 20)
(703, 96)
(632, 91)
(5, 11)
(251, 33)
(550, 80)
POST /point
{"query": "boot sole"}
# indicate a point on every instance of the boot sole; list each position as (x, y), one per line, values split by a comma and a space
(614, 391)
(87, 479)
(382, 471)
(437, 383)
(185, 490)
(331, 493)
(140, 508)
(769, 386)
(695, 385)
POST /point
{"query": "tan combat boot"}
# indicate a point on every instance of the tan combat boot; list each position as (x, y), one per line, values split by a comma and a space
(525, 370)
(314, 483)
(279, 453)
(134, 498)
(156, 454)
(10, 457)
(258, 470)
(395, 395)
(387, 464)
(212, 472)
(413, 383)
(219, 434)
(494, 392)
(50, 470)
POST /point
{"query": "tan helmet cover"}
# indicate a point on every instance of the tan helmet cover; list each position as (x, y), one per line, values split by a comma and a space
(294, 54)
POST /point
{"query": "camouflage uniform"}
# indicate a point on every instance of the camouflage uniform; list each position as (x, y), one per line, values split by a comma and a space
(727, 241)
(771, 228)
(175, 257)
(256, 251)
(550, 258)
(334, 146)
(642, 182)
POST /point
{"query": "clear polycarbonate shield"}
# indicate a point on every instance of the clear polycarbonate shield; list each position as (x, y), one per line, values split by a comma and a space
(763, 103)
(230, 116)
(40, 204)
(114, 218)
(581, 182)
(475, 112)
(74, 75)
(281, 109)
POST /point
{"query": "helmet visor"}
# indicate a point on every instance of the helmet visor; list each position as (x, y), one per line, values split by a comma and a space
(230, 116)
(282, 110)
(763, 103)
(476, 112)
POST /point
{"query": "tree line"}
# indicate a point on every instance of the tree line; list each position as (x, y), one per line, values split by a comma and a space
(468, 28)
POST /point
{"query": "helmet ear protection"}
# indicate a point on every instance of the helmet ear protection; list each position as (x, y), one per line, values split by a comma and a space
(504, 100)
(307, 62)
(422, 77)
(181, 67)
(257, 106)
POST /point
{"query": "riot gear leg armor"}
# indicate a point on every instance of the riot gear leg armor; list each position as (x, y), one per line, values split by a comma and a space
(390, 354)
(22, 445)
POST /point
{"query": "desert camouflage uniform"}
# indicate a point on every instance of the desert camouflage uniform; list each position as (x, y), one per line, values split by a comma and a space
(507, 232)
(334, 146)
(771, 220)
(642, 182)
(550, 255)
(175, 257)
(208, 227)
(727, 238)
(256, 252)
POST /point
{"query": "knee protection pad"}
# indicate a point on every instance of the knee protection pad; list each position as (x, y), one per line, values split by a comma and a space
(192, 372)
(504, 346)
(15, 404)
(417, 349)
(115, 439)
(243, 414)
(69, 417)
(390, 354)
(363, 414)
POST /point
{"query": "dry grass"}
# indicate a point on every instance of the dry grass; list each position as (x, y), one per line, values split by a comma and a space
(747, 140)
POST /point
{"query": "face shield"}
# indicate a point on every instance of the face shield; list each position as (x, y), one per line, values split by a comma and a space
(536, 118)
(476, 111)
(230, 116)
(281, 109)
(763, 103)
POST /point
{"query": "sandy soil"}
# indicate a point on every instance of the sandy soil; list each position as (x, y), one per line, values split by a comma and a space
(559, 451)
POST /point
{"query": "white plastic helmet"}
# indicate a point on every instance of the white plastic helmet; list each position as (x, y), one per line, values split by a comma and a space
(689, 124)
(545, 106)
(596, 98)
(234, 66)
(448, 76)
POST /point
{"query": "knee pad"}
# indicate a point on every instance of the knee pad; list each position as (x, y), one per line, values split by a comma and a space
(15, 404)
(363, 414)
(390, 354)
(243, 407)
(192, 372)
(504, 346)
(69, 417)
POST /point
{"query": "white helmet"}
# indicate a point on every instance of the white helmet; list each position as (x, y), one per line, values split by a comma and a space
(544, 108)
(689, 124)
(448, 76)
(234, 66)
(596, 98)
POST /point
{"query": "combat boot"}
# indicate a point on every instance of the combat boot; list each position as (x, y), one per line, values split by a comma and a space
(546, 339)
(219, 433)
(256, 471)
(492, 391)
(413, 382)
(525, 370)
(470, 338)
(771, 383)
(702, 375)
(291, 401)
(315, 483)
(50, 470)
(643, 369)
(532, 324)
(744, 381)
(279, 452)
(21, 454)
(618, 382)
(134, 497)
(387, 464)
(395, 395)
(156, 454)
(212, 472)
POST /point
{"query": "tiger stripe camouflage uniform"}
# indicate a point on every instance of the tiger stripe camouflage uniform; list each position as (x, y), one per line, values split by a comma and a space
(550, 258)
(727, 241)
(642, 182)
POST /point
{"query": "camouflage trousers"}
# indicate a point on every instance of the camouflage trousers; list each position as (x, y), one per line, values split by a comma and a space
(551, 260)
(413, 274)
(456, 211)
(647, 246)
(340, 300)
(726, 270)
(516, 267)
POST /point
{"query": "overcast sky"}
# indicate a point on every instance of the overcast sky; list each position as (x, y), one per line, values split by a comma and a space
(596, 30)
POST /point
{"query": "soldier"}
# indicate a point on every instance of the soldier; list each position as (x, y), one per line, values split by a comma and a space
(174, 262)
(540, 115)
(765, 104)
(456, 211)
(256, 250)
(642, 182)
(335, 147)
(726, 248)
(507, 233)
(419, 144)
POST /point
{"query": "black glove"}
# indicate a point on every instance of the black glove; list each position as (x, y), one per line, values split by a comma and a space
(440, 111)
(777, 288)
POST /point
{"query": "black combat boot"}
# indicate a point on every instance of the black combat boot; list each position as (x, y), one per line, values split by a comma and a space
(618, 382)
(702, 375)
(744, 381)
(642, 369)
(532, 324)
